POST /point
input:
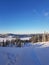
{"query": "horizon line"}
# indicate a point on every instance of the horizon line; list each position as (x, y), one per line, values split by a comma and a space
(24, 33)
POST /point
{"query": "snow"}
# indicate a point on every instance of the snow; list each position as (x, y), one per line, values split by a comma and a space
(10, 38)
(7, 38)
(41, 44)
(28, 54)
(25, 38)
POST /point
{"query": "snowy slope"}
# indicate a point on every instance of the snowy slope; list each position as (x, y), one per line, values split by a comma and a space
(29, 54)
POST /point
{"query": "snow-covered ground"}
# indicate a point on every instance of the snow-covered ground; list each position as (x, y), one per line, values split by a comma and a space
(25, 38)
(29, 54)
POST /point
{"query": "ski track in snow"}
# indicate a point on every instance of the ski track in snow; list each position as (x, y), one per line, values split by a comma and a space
(25, 58)
(29, 54)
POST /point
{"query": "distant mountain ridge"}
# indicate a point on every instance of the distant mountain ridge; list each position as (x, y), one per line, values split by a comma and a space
(15, 35)
(19, 35)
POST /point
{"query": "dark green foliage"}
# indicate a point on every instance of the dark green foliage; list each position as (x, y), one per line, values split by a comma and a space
(19, 44)
(7, 42)
(3, 43)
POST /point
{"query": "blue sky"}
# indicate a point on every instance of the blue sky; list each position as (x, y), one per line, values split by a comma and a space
(24, 16)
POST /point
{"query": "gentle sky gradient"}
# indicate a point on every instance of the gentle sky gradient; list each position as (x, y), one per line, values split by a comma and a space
(24, 16)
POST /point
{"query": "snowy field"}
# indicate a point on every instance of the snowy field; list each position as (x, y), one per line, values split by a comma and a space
(28, 54)
(25, 38)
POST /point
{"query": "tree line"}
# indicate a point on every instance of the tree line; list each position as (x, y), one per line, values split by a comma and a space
(17, 42)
